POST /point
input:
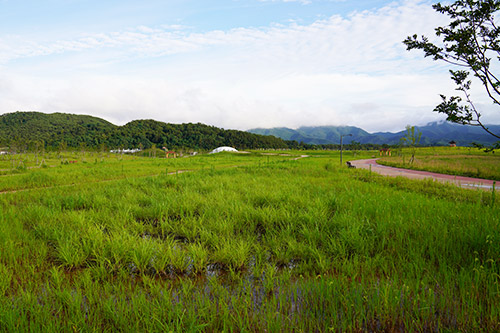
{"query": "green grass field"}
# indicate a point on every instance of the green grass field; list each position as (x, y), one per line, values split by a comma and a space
(243, 242)
(460, 161)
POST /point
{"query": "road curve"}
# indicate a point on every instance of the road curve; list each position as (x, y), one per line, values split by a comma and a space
(465, 182)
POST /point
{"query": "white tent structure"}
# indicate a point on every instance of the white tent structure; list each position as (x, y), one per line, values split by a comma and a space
(221, 149)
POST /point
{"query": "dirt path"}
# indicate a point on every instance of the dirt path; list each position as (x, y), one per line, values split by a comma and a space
(301, 156)
(465, 182)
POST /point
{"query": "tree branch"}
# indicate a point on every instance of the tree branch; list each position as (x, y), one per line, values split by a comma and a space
(478, 115)
(468, 41)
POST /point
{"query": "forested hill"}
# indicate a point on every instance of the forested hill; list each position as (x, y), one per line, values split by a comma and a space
(25, 130)
(24, 127)
(196, 136)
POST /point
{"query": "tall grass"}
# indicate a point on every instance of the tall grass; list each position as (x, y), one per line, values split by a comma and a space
(279, 245)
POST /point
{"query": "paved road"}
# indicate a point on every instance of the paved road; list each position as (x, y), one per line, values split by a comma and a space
(465, 182)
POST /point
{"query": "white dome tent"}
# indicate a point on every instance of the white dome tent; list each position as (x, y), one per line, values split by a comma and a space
(221, 149)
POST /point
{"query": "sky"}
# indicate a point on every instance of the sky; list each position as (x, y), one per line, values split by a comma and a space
(235, 64)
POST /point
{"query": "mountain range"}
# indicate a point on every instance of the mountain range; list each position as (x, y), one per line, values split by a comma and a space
(28, 130)
(433, 134)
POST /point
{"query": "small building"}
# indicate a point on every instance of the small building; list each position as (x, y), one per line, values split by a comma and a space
(452, 143)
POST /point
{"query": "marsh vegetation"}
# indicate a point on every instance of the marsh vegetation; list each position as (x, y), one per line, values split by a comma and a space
(244, 242)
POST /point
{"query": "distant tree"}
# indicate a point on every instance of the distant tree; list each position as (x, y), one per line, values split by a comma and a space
(471, 42)
(37, 146)
(355, 146)
(153, 150)
(62, 148)
(83, 147)
(102, 148)
(411, 140)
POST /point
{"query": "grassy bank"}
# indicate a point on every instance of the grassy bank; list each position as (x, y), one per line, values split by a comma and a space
(274, 244)
(460, 161)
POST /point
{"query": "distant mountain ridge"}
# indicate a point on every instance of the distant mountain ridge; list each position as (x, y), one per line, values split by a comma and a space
(436, 133)
(28, 130)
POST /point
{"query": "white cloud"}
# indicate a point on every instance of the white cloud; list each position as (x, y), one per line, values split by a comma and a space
(342, 70)
(362, 40)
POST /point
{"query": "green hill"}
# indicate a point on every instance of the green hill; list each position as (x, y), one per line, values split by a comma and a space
(25, 130)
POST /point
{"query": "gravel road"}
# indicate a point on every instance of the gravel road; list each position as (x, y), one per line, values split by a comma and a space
(465, 182)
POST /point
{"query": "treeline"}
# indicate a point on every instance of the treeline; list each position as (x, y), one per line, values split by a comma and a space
(35, 130)
(145, 133)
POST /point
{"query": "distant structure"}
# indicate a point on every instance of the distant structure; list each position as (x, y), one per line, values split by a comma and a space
(384, 152)
(169, 153)
(125, 151)
(221, 149)
(452, 143)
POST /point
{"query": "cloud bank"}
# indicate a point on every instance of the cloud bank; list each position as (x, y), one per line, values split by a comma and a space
(341, 70)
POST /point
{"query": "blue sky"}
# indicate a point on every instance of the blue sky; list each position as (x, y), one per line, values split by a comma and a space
(234, 63)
